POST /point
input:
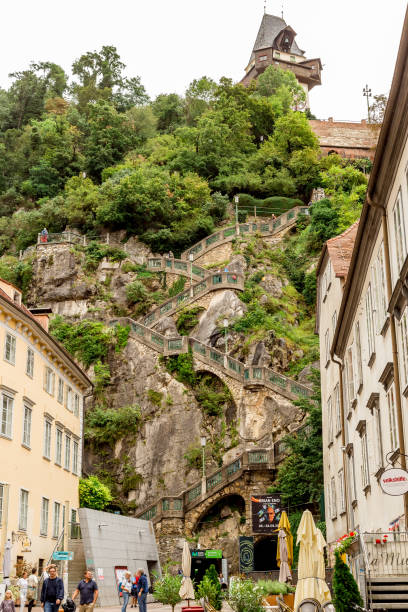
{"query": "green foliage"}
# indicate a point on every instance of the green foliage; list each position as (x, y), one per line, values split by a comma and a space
(122, 335)
(178, 286)
(188, 319)
(166, 589)
(194, 457)
(87, 340)
(266, 207)
(274, 587)
(213, 594)
(300, 476)
(93, 493)
(96, 251)
(155, 397)
(106, 425)
(245, 596)
(345, 589)
(211, 400)
(182, 366)
(136, 292)
(19, 273)
(102, 376)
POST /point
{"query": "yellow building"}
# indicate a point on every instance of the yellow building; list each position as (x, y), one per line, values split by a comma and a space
(42, 392)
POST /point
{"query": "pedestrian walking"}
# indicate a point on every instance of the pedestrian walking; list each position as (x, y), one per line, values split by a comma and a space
(32, 589)
(7, 605)
(88, 590)
(142, 590)
(52, 592)
(135, 580)
(22, 584)
(126, 588)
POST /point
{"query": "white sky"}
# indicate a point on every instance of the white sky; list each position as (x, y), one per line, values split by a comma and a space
(170, 43)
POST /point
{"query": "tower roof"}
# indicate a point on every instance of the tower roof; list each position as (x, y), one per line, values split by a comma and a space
(271, 26)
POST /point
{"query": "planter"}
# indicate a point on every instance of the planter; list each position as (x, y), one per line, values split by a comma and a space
(288, 599)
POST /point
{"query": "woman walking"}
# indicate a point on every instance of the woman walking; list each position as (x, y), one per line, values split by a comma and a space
(126, 587)
(32, 589)
(23, 586)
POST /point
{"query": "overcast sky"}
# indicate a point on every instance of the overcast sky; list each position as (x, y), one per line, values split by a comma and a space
(169, 43)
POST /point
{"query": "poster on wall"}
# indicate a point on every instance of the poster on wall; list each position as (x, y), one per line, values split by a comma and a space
(266, 513)
(119, 575)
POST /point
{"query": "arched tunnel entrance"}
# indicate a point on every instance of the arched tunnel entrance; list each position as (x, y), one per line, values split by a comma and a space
(265, 554)
(218, 529)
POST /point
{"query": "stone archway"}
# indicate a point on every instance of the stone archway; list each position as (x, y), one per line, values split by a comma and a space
(215, 385)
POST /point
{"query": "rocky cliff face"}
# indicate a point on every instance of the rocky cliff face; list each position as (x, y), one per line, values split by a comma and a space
(162, 456)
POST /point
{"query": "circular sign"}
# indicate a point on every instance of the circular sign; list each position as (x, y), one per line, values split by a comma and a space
(394, 481)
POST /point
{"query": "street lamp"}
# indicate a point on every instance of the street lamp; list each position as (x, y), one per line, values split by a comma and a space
(367, 94)
(236, 200)
(191, 257)
(225, 323)
(203, 441)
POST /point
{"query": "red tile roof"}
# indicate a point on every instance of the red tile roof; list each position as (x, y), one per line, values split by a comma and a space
(340, 249)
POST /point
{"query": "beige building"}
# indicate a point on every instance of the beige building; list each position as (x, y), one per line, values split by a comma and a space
(41, 402)
(362, 321)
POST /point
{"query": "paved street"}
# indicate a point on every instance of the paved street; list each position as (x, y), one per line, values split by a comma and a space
(157, 607)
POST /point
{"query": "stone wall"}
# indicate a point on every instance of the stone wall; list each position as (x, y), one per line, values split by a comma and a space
(347, 138)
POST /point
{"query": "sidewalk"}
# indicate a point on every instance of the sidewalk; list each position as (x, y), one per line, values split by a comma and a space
(158, 607)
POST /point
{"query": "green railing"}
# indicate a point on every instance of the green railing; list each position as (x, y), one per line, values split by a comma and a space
(149, 514)
(255, 457)
(165, 504)
(214, 480)
(194, 493)
(212, 239)
(234, 467)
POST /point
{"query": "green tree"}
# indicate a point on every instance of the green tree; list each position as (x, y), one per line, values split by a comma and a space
(300, 476)
(166, 589)
(212, 576)
(169, 110)
(345, 589)
(93, 493)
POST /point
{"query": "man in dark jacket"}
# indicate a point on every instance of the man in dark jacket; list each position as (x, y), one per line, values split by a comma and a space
(142, 590)
(52, 592)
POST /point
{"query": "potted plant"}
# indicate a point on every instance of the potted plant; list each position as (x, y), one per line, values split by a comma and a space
(244, 595)
(271, 589)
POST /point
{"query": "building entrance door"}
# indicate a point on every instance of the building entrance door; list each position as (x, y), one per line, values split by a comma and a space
(265, 554)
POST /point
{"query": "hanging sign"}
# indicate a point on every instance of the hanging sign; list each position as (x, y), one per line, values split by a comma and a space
(62, 555)
(394, 481)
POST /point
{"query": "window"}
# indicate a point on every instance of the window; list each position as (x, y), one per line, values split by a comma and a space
(6, 415)
(1, 502)
(10, 349)
(330, 419)
(292, 58)
(60, 397)
(26, 425)
(352, 477)
(277, 54)
(56, 521)
(22, 520)
(44, 516)
(30, 363)
(67, 452)
(334, 321)
(76, 404)
(365, 474)
(404, 346)
(263, 58)
(381, 289)
(49, 381)
(333, 498)
(359, 368)
(378, 447)
(370, 321)
(327, 346)
(337, 408)
(69, 399)
(392, 419)
(58, 446)
(75, 453)
(47, 439)
(399, 230)
(350, 374)
(342, 499)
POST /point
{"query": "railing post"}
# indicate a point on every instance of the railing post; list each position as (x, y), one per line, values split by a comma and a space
(255, 212)
(84, 240)
(107, 238)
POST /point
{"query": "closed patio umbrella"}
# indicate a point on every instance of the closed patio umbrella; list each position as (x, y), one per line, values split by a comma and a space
(311, 570)
(284, 555)
(7, 560)
(186, 589)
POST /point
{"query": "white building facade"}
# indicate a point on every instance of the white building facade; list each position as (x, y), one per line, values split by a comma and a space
(362, 323)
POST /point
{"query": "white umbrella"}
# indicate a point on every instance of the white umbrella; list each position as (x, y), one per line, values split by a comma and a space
(186, 589)
(7, 560)
(284, 569)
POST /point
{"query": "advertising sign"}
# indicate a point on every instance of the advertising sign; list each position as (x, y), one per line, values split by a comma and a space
(266, 513)
(199, 553)
(62, 555)
(246, 554)
(394, 481)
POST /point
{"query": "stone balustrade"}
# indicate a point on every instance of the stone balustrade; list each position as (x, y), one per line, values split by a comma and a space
(245, 229)
(258, 375)
(177, 266)
(215, 281)
(163, 344)
(176, 506)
